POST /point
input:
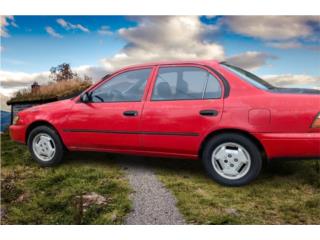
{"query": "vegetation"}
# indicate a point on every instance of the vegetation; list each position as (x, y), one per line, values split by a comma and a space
(34, 195)
(65, 83)
(61, 72)
(288, 192)
(52, 90)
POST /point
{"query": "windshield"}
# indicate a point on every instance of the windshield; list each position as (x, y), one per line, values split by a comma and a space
(249, 77)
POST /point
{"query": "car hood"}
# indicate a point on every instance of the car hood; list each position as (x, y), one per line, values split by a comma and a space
(53, 106)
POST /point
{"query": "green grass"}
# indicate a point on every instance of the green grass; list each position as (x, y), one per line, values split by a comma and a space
(288, 192)
(34, 195)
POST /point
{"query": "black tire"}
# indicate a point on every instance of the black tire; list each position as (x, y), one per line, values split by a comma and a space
(245, 142)
(58, 155)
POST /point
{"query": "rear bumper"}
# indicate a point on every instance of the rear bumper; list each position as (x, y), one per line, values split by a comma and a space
(18, 133)
(300, 145)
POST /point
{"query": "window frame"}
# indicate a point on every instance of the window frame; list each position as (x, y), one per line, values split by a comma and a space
(113, 75)
(155, 76)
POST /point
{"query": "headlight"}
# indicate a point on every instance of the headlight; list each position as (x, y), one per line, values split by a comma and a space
(316, 122)
(15, 120)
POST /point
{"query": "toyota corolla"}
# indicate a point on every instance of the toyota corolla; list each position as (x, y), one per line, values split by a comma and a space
(229, 118)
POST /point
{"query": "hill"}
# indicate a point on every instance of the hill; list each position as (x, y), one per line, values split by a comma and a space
(5, 120)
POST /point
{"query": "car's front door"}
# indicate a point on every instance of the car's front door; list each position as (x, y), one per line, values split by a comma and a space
(186, 102)
(111, 119)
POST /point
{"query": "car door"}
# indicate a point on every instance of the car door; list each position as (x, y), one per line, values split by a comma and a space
(111, 119)
(184, 104)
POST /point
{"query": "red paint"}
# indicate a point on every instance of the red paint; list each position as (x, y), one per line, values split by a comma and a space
(280, 122)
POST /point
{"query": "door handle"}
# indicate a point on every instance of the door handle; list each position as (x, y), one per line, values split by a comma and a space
(209, 112)
(130, 113)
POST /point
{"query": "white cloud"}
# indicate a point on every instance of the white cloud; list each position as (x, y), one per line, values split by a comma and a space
(95, 72)
(20, 79)
(6, 21)
(52, 32)
(294, 81)
(14, 81)
(69, 26)
(285, 44)
(250, 60)
(105, 30)
(163, 38)
(274, 27)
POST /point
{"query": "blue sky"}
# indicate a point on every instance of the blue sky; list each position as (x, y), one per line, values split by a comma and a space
(277, 46)
(31, 49)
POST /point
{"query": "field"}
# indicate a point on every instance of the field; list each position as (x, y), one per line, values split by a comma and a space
(34, 195)
(287, 192)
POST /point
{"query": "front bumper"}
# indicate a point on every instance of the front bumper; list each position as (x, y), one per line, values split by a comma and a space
(18, 133)
(301, 145)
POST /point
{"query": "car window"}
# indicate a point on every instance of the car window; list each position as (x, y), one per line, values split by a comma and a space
(125, 87)
(185, 83)
(213, 88)
(249, 77)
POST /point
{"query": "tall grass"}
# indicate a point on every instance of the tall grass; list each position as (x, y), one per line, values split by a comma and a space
(52, 90)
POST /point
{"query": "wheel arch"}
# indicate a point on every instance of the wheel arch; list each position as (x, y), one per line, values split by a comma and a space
(238, 131)
(41, 123)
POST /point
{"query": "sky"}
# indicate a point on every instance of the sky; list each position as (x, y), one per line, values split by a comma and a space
(284, 50)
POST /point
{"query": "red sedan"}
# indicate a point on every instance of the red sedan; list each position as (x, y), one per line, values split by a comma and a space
(222, 114)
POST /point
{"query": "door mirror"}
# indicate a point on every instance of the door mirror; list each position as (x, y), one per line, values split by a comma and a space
(85, 98)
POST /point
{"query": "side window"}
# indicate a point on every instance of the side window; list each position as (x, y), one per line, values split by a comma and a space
(213, 89)
(125, 87)
(185, 83)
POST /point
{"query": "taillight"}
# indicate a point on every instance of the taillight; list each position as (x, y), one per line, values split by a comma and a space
(316, 122)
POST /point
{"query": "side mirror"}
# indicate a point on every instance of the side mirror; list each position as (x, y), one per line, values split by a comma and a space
(85, 98)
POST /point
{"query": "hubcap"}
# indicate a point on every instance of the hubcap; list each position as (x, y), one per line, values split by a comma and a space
(43, 147)
(231, 160)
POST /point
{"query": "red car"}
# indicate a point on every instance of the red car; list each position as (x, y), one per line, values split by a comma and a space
(222, 114)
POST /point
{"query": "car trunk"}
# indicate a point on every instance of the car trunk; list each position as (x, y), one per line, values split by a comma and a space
(293, 109)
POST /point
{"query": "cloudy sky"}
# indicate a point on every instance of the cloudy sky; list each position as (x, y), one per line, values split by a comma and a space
(285, 50)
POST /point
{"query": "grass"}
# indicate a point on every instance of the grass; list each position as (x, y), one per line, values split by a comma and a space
(288, 192)
(52, 90)
(34, 195)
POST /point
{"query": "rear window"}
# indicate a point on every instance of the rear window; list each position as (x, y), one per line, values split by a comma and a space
(248, 77)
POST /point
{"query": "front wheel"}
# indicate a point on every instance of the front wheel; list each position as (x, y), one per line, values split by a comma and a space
(45, 146)
(232, 159)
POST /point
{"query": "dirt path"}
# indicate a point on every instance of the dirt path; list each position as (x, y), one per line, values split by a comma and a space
(152, 202)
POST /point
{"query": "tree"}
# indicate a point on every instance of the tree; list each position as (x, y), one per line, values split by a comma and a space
(62, 72)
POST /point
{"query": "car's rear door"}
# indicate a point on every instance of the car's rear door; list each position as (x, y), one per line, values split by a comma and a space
(183, 104)
(111, 119)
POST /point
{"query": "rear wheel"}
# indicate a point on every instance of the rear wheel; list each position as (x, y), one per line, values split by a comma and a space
(232, 159)
(45, 146)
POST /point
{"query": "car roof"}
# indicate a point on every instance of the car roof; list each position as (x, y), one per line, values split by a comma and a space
(173, 62)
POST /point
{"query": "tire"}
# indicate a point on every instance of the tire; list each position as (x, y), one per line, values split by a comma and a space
(48, 138)
(226, 168)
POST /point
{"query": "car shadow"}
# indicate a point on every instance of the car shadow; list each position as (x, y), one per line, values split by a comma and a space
(304, 170)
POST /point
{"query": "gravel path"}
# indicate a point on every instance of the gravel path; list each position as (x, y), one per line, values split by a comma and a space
(152, 202)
